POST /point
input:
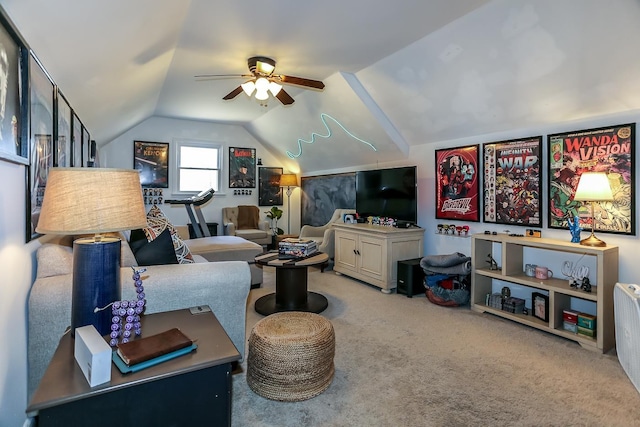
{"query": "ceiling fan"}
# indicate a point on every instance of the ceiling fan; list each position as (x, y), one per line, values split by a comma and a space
(263, 80)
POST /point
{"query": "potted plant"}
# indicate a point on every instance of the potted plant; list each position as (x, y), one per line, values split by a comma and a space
(274, 214)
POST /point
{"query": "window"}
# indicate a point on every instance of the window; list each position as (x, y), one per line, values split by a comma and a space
(199, 166)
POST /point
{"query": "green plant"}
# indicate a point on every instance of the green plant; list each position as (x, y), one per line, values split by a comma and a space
(274, 214)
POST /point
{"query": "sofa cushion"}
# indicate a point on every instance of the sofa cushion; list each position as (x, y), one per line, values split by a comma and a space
(156, 252)
(158, 222)
(54, 260)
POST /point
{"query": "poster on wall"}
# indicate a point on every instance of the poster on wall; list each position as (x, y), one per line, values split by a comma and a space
(606, 149)
(512, 179)
(242, 167)
(457, 184)
(269, 190)
(151, 159)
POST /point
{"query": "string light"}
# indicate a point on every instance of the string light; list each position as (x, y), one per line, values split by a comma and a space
(313, 136)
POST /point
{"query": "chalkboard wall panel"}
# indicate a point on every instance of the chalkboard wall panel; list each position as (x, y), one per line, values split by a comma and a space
(323, 194)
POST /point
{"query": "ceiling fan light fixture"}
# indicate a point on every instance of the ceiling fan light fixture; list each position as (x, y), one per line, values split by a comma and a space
(248, 87)
(274, 88)
(262, 95)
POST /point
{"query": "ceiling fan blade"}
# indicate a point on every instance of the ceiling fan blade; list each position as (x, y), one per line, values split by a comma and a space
(316, 84)
(284, 97)
(237, 91)
(213, 76)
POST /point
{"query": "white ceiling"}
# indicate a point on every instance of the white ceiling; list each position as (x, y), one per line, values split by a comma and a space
(397, 74)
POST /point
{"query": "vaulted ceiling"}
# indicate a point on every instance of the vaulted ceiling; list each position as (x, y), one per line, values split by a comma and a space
(397, 74)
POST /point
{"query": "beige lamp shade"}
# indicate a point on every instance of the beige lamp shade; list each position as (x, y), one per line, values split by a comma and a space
(91, 200)
(593, 187)
(288, 180)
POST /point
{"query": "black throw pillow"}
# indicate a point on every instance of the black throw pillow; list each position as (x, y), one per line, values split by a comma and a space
(156, 252)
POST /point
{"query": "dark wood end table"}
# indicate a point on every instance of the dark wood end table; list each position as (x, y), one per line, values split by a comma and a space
(194, 389)
(291, 285)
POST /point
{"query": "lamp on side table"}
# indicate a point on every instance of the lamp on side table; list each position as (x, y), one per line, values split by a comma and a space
(93, 201)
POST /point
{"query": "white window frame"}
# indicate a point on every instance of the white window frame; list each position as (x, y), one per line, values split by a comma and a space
(178, 144)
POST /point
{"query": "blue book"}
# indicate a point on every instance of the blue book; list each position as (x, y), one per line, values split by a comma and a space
(124, 368)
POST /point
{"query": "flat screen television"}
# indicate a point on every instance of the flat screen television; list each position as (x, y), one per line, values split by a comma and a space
(388, 193)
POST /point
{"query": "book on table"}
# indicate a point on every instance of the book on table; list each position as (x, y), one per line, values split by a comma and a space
(154, 346)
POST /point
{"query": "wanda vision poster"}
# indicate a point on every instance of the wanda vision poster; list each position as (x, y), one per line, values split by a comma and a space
(607, 149)
(512, 179)
(457, 184)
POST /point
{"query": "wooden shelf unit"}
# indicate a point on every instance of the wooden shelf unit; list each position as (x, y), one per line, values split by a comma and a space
(511, 269)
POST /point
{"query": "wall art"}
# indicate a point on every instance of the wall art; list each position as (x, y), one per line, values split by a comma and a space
(457, 183)
(606, 149)
(323, 194)
(242, 167)
(76, 140)
(512, 180)
(63, 146)
(269, 190)
(41, 138)
(14, 116)
(151, 159)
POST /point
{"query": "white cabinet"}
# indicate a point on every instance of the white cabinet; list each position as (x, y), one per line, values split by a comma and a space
(511, 255)
(370, 252)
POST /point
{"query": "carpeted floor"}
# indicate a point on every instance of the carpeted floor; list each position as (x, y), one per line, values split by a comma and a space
(406, 362)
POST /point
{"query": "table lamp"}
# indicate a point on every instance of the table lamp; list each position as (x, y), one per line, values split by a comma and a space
(93, 201)
(593, 187)
(289, 180)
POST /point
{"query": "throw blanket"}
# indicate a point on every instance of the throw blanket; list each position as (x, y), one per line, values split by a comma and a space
(453, 264)
(248, 217)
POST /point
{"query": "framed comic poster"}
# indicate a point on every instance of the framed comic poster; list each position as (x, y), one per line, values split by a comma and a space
(41, 138)
(606, 149)
(457, 184)
(242, 167)
(14, 128)
(269, 190)
(151, 159)
(512, 180)
(76, 141)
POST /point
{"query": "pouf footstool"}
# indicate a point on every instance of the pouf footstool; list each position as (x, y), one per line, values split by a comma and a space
(290, 356)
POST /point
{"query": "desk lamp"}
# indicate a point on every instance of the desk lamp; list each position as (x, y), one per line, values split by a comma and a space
(93, 201)
(289, 180)
(593, 187)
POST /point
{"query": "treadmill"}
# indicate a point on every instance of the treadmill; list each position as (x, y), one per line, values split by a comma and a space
(192, 205)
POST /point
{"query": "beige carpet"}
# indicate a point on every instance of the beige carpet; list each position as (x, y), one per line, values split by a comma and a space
(406, 362)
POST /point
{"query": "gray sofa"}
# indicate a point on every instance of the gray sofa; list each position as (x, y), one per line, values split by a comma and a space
(224, 286)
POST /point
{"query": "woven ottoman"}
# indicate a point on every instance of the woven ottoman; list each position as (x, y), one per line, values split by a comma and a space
(291, 356)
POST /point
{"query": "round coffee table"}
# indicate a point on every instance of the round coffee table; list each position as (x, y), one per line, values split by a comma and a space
(291, 285)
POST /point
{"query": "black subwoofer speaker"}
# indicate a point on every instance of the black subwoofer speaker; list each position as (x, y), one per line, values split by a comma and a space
(410, 277)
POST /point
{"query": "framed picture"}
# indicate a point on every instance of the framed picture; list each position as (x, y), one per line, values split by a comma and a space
(540, 306)
(151, 159)
(607, 149)
(242, 167)
(76, 140)
(14, 108)
(323, 194)
(42, 150)
(512, 180)
(63, 146)
(86, 142)
(457, 184)
(269, 190)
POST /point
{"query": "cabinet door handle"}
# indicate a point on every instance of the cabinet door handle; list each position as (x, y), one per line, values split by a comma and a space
(357, 252)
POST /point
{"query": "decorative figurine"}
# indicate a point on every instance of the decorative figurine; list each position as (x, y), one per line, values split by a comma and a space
(128, 312)
(574, 228)
(492, 262)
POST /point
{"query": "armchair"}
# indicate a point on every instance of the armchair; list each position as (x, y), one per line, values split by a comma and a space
(245, 222)
(324, 234)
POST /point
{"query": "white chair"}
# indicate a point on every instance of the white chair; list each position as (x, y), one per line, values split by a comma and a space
(324, 234)
(261, 234)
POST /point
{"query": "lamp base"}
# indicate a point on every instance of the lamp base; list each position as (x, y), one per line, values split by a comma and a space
(592, 241)
(96, 282)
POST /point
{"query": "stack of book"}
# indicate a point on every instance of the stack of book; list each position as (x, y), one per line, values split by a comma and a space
(296, 248)
(144, 352)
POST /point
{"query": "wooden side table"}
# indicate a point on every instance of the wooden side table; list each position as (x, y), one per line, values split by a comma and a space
(194, 389)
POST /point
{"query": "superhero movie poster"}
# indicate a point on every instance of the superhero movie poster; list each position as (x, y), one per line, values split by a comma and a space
(457, 184)
(242, 167)
(608, 149)
(512, 178)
